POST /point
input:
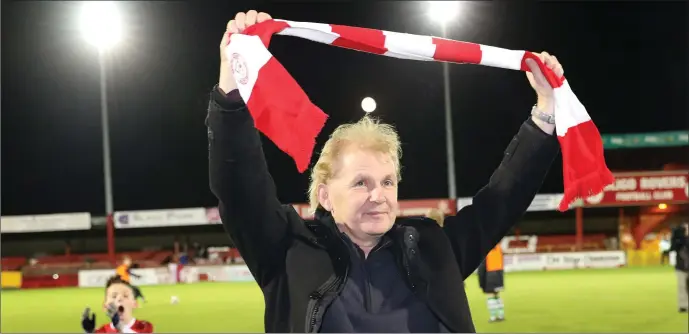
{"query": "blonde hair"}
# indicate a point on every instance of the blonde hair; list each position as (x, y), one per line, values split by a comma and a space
(437, 215)
(370, 134)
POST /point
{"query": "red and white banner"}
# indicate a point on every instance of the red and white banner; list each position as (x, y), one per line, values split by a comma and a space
(162, 275)
(46, 223)
(542, 202)
(213, 216)
(560, 261)
(412, 208)
(643, 188)
(528, 241)
(408, 208)
(218, 273)
(204, 216)
(160, 218)
(239, 274)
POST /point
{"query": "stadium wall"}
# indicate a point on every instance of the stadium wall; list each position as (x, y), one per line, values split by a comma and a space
(240, 273)
(50, 281)
(96, 278)
(93, 241)
(11, 279)
(549, 224)
(165, 275)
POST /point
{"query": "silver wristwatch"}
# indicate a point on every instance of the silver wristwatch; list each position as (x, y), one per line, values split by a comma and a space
(548, 118)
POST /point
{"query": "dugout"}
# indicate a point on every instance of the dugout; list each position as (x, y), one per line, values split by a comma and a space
(650, 194)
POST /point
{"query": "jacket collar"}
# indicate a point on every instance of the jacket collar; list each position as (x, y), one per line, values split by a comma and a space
(324, 217)
(326, 221)
(404, 238)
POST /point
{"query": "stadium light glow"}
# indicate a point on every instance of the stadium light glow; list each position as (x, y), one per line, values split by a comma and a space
(662, 206)
(444, 11)
(368, 104)
(100, 24)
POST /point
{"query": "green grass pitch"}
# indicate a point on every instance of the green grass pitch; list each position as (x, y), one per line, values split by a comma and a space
(596, 300)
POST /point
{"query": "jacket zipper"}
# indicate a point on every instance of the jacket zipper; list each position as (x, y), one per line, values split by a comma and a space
(314, 306)
(316, 298)
(405, 264)
(311, 317)
(367, 289)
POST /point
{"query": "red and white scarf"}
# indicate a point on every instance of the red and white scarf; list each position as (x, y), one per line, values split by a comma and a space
(282, 111)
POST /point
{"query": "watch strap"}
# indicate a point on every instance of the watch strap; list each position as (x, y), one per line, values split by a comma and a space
(548, 118)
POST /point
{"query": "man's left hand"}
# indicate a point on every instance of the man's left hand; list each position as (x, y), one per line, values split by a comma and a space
(538, 81)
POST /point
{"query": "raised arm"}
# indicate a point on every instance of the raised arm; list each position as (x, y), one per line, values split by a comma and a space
(499, 205)
(129, 271)
(239, 178)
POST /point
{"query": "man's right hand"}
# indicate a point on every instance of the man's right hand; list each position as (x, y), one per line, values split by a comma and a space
(241, 21)
(88, 321)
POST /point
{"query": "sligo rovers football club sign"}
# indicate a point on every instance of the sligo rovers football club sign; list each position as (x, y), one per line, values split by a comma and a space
(644, 188)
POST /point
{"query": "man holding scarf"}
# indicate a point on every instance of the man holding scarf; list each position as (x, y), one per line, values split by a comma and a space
(357, 267)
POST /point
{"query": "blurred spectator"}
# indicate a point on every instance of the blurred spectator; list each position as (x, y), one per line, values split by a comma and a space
(664, 248)
(491, 278)
(611, 243)
(200, 253)
(171, 262)
(680, 245)
(436, 215)
(182, 261)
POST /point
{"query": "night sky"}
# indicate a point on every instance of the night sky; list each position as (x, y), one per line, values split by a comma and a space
(627, 63)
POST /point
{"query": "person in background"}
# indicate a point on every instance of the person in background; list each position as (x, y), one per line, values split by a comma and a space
(119, 305)
(182, 261)
(171, 263)
(491, 279)
(200, 253)
(680, 245)
(124, 271)
(664, 248)
(437, 215)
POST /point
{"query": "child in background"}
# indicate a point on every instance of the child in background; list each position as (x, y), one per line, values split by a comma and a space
(119, 304)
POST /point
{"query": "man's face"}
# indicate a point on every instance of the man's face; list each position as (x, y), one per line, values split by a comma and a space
(120, 294)
(362, 194)
(127, 262)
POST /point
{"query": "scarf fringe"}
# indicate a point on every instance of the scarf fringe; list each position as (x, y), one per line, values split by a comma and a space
(591, 184)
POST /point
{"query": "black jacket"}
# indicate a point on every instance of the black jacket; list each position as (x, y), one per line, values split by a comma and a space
(301, 265)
